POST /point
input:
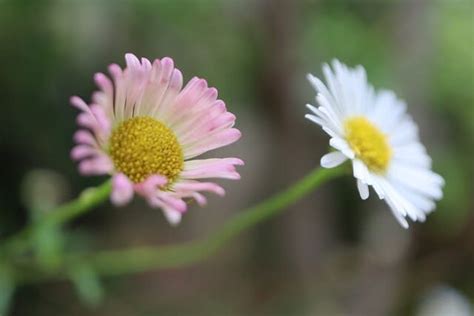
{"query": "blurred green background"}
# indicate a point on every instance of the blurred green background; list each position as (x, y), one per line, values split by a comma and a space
(330, 254)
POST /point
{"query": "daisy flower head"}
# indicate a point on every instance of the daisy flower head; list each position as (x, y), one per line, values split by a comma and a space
(145, 130)
(372, 129)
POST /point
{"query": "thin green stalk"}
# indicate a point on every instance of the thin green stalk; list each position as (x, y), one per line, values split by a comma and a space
(115, 262)
(86, 201)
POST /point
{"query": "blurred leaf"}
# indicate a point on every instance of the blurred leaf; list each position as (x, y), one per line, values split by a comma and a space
(48, 242)
(42, 190)
(455, 63)
(7, 288)
(87, 285)
(326, 37)
(453, 209)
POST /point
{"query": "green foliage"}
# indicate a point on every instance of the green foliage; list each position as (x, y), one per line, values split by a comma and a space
(454, 212)
(48, 243)
(454, 63)
(7, 288)
(326, 36)
(453, 96)
(87, 284)
(51, 49)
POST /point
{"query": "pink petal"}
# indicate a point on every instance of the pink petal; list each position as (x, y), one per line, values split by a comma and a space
(177, 99)
(207, 128)
(188, 125)
(82, 151)
(101, 117)
(199, 163)
(101, 164)
(200, 199)
(172, 207)
(172, 216)
(87, 120)
(172, 201)
(186, 100)
(105, 97)
(151, 185)
(199, 186)
(169, 85)
(119, 83)
(219, 139)
(79, 104)
(104, 83)
(136, 77)
(202, 109)
(132, 61)
(122, 190)
(153, 92)
(84, 137)
(211, 168)
(146, 64)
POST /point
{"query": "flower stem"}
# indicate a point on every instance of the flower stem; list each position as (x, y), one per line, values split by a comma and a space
(86, 201)
(139, 259)
(116, 262)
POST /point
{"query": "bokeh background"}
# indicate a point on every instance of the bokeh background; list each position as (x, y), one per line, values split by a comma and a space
(330, 254)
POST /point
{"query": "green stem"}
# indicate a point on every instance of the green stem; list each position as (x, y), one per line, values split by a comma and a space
(87, 200)
(115, 262)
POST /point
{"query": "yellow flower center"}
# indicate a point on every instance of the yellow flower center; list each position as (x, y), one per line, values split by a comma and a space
(368, 143)
(142, 146)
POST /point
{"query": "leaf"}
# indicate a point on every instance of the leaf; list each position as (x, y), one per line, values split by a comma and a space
(7, 289)
(87, 285)
(48, 245)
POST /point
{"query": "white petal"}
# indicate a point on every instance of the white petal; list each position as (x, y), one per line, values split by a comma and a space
(401, 203)
(374, 182)
(363, 189)
(312, 108)
(418, 200)
(333, 159)
(412, 155)
(397, 211)
(341, 145)
(315, 119)
(320, 87)
(331, 132)
(398, 215)
(331, 120)
(405, 131)
(327, 110)
(422, 180)
(391, 198)
(360, 170)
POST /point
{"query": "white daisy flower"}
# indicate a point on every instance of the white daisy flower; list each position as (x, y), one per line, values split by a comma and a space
(373, 130)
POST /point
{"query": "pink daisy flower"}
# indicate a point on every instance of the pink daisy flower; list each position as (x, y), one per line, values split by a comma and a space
(145, 130)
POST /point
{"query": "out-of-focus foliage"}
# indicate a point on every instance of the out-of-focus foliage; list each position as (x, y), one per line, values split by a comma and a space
(255, 53)
(454, 63)
(363, 42)
(453, 97)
